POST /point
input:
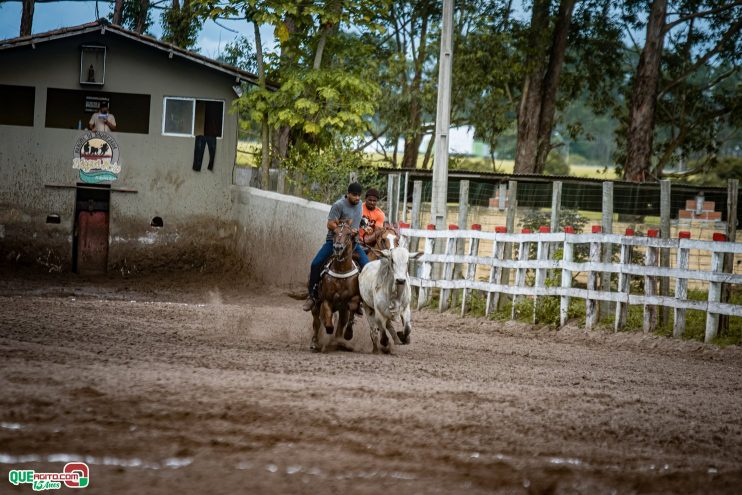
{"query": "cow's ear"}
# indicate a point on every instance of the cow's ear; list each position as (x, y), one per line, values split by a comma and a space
(415, 255)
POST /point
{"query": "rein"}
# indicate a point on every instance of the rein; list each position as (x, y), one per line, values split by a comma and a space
(338, 259)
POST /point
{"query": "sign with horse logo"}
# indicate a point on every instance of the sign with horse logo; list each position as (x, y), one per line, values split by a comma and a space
(96, 156)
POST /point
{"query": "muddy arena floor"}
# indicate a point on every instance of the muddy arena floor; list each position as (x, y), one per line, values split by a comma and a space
(204, 384)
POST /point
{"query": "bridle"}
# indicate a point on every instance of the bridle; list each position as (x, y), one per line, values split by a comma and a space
(349, 242)
(346, 253)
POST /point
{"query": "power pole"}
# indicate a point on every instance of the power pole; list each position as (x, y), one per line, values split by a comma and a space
(438, 206)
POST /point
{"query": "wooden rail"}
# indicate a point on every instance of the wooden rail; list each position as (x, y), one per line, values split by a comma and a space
(597, 267)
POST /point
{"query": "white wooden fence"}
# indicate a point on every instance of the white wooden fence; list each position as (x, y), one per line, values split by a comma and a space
(547, 244)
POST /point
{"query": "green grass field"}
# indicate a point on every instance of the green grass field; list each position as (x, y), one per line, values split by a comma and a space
(248, 156)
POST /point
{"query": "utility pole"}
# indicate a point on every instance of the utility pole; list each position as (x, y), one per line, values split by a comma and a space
(438, 206)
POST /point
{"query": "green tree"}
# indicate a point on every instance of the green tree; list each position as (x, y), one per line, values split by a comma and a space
(317, 97)
(181, 24)
(684, 39)
(135, 15)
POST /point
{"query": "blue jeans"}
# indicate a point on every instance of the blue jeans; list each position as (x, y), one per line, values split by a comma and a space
(321, 258)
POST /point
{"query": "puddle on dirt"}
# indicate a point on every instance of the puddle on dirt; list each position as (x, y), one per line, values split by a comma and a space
(565, 461)
(170, 462)
(13, 426)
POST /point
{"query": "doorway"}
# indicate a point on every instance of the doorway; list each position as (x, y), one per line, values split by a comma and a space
(90, 233)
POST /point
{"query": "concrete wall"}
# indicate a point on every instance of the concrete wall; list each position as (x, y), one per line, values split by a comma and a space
(278, 234)
(195, 207)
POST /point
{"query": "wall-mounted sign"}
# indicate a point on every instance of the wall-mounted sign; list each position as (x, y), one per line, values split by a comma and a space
(92, 103)
(96, 156)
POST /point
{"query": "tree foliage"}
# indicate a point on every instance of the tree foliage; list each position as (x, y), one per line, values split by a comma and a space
(343, 73)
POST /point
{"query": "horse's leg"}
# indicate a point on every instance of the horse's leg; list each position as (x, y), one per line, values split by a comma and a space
(314, 345)
(352, 308)
(407, 322)
(342, 322)
(326, 315)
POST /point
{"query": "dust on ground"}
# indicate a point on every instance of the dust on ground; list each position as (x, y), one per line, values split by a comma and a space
(203, 383)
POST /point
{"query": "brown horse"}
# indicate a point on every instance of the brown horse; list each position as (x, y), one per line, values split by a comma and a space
(338, 290)
(387, 238)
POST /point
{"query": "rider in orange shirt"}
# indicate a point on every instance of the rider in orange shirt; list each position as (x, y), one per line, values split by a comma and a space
(374, 218)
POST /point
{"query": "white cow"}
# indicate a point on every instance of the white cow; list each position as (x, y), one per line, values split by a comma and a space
(385, 291)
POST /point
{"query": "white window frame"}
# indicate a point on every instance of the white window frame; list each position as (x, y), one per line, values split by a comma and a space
(82, 51)
(164, 113)
(193, 115)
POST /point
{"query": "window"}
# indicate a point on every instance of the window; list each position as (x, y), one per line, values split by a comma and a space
(72, 108)
(93, 65)
(17, 103)
(178, 116)
(192, 117)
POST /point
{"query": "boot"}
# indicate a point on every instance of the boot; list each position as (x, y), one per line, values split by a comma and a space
(308, 304)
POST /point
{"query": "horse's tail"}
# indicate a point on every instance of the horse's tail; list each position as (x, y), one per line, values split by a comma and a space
(299, 296)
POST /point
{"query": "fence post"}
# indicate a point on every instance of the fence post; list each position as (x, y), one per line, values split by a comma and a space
(624, 285)
(389, 196)
(463, 214)
(681, 286)
(712, 319)
(650, 287)
(281, 182)
(447, 270)
(542, 254)
(665, 213)
(732, 196)
(556, 205)
(417, 198)
(510, 226)
(417, 194)
(520, 273)
(404, 199)
(425, 268)
(566, 281)
(592, 311)
(498, 252)
(502, 196)
(607, 227)
(471, 269)
(397, 187)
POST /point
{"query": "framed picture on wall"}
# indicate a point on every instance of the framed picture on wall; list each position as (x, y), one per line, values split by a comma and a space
(92, 65)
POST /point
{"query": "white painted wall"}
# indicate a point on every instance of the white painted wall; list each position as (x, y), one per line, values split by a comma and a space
(278, 235)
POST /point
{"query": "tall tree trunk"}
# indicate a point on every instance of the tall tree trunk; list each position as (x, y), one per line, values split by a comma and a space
(551, 82)
(27, 17)
(265, 135)
(640, 134)
(142, 16)
(329, 27)
(529, 110)
(282, 136)
(117, 10)
(413, 135)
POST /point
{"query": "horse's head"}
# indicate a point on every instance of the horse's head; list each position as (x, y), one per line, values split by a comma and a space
(342, 239)
(388, 239)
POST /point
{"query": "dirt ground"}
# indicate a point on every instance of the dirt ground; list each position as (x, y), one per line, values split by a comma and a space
(204, 384)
